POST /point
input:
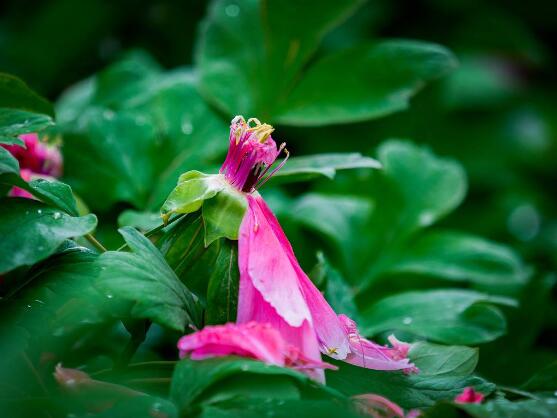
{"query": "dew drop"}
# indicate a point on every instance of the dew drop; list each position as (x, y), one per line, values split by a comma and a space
(187, 127)
(109, 296)
(39, 211)
(232, 10)
(407, 320)
(56, 215)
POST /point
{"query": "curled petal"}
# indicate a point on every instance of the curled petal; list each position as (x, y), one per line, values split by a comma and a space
(366, 353)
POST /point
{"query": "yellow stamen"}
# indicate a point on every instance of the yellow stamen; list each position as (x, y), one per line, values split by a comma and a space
(332, 350)
(262, 131)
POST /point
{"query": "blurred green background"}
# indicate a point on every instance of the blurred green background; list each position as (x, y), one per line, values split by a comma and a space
(495, 114)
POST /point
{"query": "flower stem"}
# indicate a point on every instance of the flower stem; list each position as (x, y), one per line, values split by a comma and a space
(95, 243)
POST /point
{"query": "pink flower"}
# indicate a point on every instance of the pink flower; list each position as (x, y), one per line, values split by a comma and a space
(252, 340)
(379, 407)
(37, 156)
(273, 287)
(251, 153)
(36, 160)
(469, 395)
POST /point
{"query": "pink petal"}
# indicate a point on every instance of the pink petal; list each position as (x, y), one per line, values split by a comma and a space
(469, 395)
(263, 261)
(366, 353)
(329, 329)
(254, 340)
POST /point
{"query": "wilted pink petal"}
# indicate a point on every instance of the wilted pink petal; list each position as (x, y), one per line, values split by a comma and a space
(377, 406)
(273, 287)
(365, 353)
(253, 340)
(469, 395)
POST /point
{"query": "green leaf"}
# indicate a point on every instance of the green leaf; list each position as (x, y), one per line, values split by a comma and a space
(10, 140)
(430, 186)
(364, 82)
(223, 214)
(15, 94)
(222, 291)
(462, 257)
(273, 54)
(32, 231)
(543, 381)
(408, 391)
(193, 188)
(449, 316)
(311, 166)
(193, 381)
(144, 277)
(51, 191)
(279, 408)
(147, 127)
(54, 193)
(124, 143)
(8, 164)
(498, 408)
(59, 296)
(15, 122)
(144, 221)
(441, 360)
(337, 292)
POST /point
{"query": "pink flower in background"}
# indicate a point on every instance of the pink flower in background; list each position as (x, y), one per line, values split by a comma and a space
(273, 287)
(36, 160)
(469, 395)
(377, 406)
(252, 340)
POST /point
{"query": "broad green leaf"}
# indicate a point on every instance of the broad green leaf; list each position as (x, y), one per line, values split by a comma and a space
(141, 220)
(8, 164)
(462, 257)
(337, 292)
(197, 381)
(272, 54)
(139, 407)
(311, 166)
(364, 82)
(430, 186)
(498, 408)
(223, 214)
(147, 127)
(51, 191)
(338, 218)
(54, 193)
(442, 360)
(543, 381)
(124, 143)
(279, 408)
(408, 391)
(144, 277)
(222, 290)
(11, 140)
(31, 231)
(193, 188)
(182, 244)
(451, 316)
(15, 94)
(15, 122)
(59, 296)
